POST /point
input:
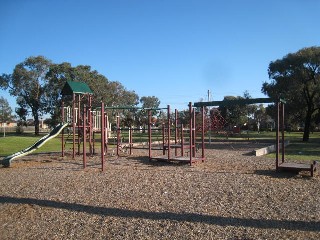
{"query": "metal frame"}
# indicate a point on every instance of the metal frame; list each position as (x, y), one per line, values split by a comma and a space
(167, 146)
(280, 138)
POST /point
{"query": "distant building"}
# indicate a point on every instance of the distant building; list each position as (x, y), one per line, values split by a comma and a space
(8, 124)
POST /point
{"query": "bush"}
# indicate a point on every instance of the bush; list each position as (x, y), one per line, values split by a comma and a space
(19, 129)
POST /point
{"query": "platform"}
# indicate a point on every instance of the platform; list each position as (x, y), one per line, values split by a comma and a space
(164, 158)
(297, 167)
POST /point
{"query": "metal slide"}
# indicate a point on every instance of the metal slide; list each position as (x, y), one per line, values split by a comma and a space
(54, 132)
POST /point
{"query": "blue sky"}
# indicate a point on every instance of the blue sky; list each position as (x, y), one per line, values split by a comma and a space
(176, 50)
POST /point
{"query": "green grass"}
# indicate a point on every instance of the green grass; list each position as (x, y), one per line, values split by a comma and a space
(12, 144)
(302, 151)
(297, 150)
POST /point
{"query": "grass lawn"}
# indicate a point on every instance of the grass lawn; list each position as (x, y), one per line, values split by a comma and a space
(297, 150)
(12, 144)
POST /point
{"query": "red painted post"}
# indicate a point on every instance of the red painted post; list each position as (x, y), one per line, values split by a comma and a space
(102, 136)
(84, 137)
(118, 134)
(176, 131)
(277, 135)
(202, 133)
(79, 123)
(182, 141)
(130, 140)
(194, 134)
(73, 126)
(163, 138)
(62, 134)
(190, 132)
(106, 125)
(149, 133)
(282, 123)
(169, 132)
(89, 112)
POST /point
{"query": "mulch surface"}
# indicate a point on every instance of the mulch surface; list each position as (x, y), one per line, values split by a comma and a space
(232, 195)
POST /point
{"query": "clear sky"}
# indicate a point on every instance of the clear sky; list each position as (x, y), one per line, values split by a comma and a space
(176, 50)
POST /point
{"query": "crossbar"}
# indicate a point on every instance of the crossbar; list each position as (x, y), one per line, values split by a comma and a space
(233, 102)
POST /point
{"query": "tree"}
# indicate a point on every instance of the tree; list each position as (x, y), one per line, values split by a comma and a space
(28, 83)
(296, 79)
(150, 102)
(113, 93)
(147, 102)
(260, 117)
(5, 113)
(235, 114)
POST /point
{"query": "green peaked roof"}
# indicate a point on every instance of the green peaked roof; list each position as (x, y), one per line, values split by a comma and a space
(75, 87)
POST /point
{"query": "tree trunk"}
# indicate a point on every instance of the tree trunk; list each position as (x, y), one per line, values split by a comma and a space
(307, 125)
(36, 123)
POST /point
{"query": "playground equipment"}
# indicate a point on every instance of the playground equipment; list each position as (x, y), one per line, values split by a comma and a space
(288, 166)
(84, 121)
(181, 144)
(54, 132)
(184, 139)
(84, 124)
(121, 144)
(280, 138)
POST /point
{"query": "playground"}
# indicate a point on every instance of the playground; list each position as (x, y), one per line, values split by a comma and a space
(233, 195)
(178, 185)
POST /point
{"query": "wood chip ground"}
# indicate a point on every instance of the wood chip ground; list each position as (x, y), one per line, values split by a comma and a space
(233, 195)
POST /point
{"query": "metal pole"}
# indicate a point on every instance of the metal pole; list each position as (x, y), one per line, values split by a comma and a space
(102, 136)
(202, 135)
(175, 131)
(210, 124)
(277, 135)
(90, 126)
(282, 133)
(84, 140)
(182, 141)
(194, 134)
(118, 134)
(190, 133)
(169, 132)
(130, 140)
(74, 126)
(163, 138)
(149, 133)
(62, 135)
(79, 123)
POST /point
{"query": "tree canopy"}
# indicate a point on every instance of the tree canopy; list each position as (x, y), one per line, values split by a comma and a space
(28, 83)
(5, 111)
(37, 84)
(296, 78)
